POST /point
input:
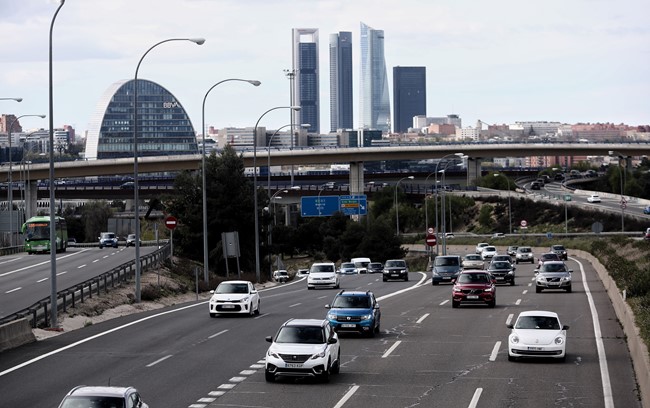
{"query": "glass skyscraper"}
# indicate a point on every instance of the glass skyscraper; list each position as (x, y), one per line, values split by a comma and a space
(374, 103)
(164, 128)
(306, 88)
(409, 96)
(341, 116)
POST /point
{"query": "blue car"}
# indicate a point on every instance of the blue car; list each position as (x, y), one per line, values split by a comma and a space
(646, 210)
(355, 312)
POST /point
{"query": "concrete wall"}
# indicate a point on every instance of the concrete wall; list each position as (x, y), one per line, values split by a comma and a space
(15, 334)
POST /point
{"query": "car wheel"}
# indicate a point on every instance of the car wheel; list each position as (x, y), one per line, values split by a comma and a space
(268, 376)
(568, 290)
(538, 289)
(517, 261)
(512, 282)
(434, 282)
(325, 375)
(406, 278)
(213, 314)
(337, 365)
(492, 303)
(251, 312)
(455, 304)
(384, 279)
(257, 311)
(310, 288)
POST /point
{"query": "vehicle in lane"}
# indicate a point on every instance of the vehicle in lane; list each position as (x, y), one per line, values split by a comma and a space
(553, 275)
(488, 252)
(375, 267)
(475, 287)
(303, 348)
(445, 268)
(395, 269)
(281, 275)
(561, 251)
(130, 240)
(234, 297)
(512, 250)
(100, 396)
(501, 258)
(323, 274)
(594, 198)
(361, 264)
(480, 246)
(356, 312)
(302, 272)
(503, 272)
(646, 210)
(524, 254)
(537, 333)
(36, 232)
(547, 257)
(107, 239)
(348, 268)
(473, 261)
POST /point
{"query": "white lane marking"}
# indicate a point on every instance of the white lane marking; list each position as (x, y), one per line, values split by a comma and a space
(495, 351)
(61, 273)
(11, 260)
(533, 278)
(105, 256)
(159, 361)
(42, 280)
(257, 366)
(217, 334)
(509, 319)
(475, 398)
(40, 263)
(197, 406)
(421, 319)
(444, 302)
(81, 266)
(323, 297)
(524, 292)
(347, 396)
(602, 358)
(207, 400)
(391, 349)
(237, 379)
(518, 302)
(96, 260)
(13, 290)
(247, 372)
(216, 393)
(295, 304)
(226, 386)
(530, 284)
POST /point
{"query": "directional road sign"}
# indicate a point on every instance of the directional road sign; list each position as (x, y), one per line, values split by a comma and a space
(323, 206)
(354, 204)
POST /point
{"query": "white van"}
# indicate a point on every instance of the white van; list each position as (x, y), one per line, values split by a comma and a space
(361, 264)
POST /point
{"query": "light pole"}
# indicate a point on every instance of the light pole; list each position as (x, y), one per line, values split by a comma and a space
(53, 294)
(136, 198)
(509, 205)
(397, 204)
(256, 215)
(436, 184)
(620, 177)
(270, 240)
(268, 159)
(203, 181)
(12, 99)
(10, 191)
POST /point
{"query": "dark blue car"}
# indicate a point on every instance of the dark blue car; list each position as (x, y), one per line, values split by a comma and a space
(356, 312)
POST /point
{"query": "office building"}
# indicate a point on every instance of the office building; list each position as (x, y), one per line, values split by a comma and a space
(374, 101)
(305, 75)
(164, 128)
(409, 96)
(341, 116)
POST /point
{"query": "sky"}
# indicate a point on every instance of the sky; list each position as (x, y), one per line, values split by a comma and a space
(499, 61)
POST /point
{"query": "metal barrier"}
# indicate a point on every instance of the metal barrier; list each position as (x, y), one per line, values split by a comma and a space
(38, 313)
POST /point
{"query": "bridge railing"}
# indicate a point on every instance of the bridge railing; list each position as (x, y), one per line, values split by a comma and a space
(38, 313)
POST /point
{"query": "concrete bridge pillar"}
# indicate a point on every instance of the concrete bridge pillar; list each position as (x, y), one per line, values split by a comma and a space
(31, 198)
(356, 178)
(473, 170)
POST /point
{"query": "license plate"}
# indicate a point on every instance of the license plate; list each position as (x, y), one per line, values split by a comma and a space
(500, 278)
(554, 283)
(394, 274)
(348, 325)
(228, 306)
(446, 277)
(472, 297)
(294, 365)
(535, 348)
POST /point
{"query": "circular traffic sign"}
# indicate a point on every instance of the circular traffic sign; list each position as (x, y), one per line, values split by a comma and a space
(524, 223)
(170, 222)
(431, 239)
(430, 230)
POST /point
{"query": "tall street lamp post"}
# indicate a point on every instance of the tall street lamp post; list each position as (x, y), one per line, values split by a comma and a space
(397, 204)
(268, 158)
(620, 177)
(10, 191)
(436, 184)
(203, 177)
(12, 99)
(509, 205)
(53, 294)
(136, 198)
(255, 209)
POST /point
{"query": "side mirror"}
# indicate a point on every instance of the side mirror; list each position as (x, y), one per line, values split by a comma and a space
(332, 340)
(212, 292)
(510, 326)
(269, 339)
(570, 270)
(328, 306)
(565, 327)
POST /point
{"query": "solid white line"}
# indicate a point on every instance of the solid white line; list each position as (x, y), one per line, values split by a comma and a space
(421, 319)
(158, 361)
(39, 264)
(11, 260)
(217, 334)
(347, 396)
(296, 304)
(443, 302)
(81, 266)
(518, 302)
(477, 395)
(495, 351)
(602, 358)
(13, 290)
(391, 349)
(509, 319)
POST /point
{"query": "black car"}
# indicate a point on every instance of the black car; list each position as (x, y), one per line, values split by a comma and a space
(503, 272)
(560, 251)
(395, 269)
(375, 267)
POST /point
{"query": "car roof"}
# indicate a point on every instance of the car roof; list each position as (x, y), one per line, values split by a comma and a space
(235, 281)
(103, 391)
(466, 271)
(305, 322)
(538, 313)
(353, 293)
(323, 263)
(554, 263)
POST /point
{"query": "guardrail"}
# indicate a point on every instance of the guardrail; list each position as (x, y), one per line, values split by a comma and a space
(11, 250)
(38, 313)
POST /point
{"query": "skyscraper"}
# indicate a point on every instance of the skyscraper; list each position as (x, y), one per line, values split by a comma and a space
(374, 103)
(409, 96)
(305, 67)
(341, 116)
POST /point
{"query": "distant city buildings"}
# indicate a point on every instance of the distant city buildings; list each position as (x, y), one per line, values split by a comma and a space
(374, 101)
(306, 86)
(409, 96)
(341, 99)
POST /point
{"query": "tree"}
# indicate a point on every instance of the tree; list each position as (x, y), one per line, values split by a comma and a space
(485, 217)
(95, 215)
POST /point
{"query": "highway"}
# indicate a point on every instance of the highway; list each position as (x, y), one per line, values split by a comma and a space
(25, 279)
(427, 354)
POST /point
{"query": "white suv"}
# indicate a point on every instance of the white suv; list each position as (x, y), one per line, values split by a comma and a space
(524, 254)
(323, 274)
(303, 348)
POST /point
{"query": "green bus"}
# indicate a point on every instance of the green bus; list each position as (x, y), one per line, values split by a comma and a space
(36, 231)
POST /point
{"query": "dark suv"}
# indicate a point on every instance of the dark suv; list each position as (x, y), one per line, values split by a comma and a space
(503, 272)
(375, 267)
(395, 269)
(560, 251)
(355, 311)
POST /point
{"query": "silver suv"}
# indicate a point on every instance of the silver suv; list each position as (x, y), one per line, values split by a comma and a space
(524, 254)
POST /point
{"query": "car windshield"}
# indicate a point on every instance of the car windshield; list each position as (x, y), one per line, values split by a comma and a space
(489, 249)
(374, 265)
(473, 258)
(300, 334)
(282, 273)
(232, 288)
(558, 248)
(395, 264)
(91, 401)
(322, 268)
(443, 261)
(552, 267)
(355, 302)
(548, 257)
(473, 278)
(347, 265)
(524, 250)
(538, 322)
(500, 265)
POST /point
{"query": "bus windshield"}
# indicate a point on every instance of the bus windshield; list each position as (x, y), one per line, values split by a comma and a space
(37, 230)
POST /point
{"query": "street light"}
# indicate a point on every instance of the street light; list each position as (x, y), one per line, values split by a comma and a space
(256, 215)
(203, 182)
(136, 198)
(268, 160)
(509, 206)
(53, 294)
(12, 99)
(10, 191)
(397, 204)
(436, 184)
(620, 177)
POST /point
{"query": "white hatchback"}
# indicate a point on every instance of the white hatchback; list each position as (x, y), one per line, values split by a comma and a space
(594, 198)
(488, 252)
(234, 297)
(537, 333)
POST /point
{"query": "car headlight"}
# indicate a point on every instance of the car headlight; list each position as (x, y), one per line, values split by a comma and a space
(244, 299)
(320, 354)
(566, 279)
(434, 273)
(488, 290)
(366, 317)
(559, 340)
(272, 354)
(511, 272)
(455, 289)
(514, 339)
(331, 316)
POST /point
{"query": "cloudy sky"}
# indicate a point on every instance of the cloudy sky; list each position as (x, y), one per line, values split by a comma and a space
(500, 61)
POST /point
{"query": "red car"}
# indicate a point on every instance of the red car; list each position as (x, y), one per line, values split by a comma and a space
(474, 286)
(547, 257)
